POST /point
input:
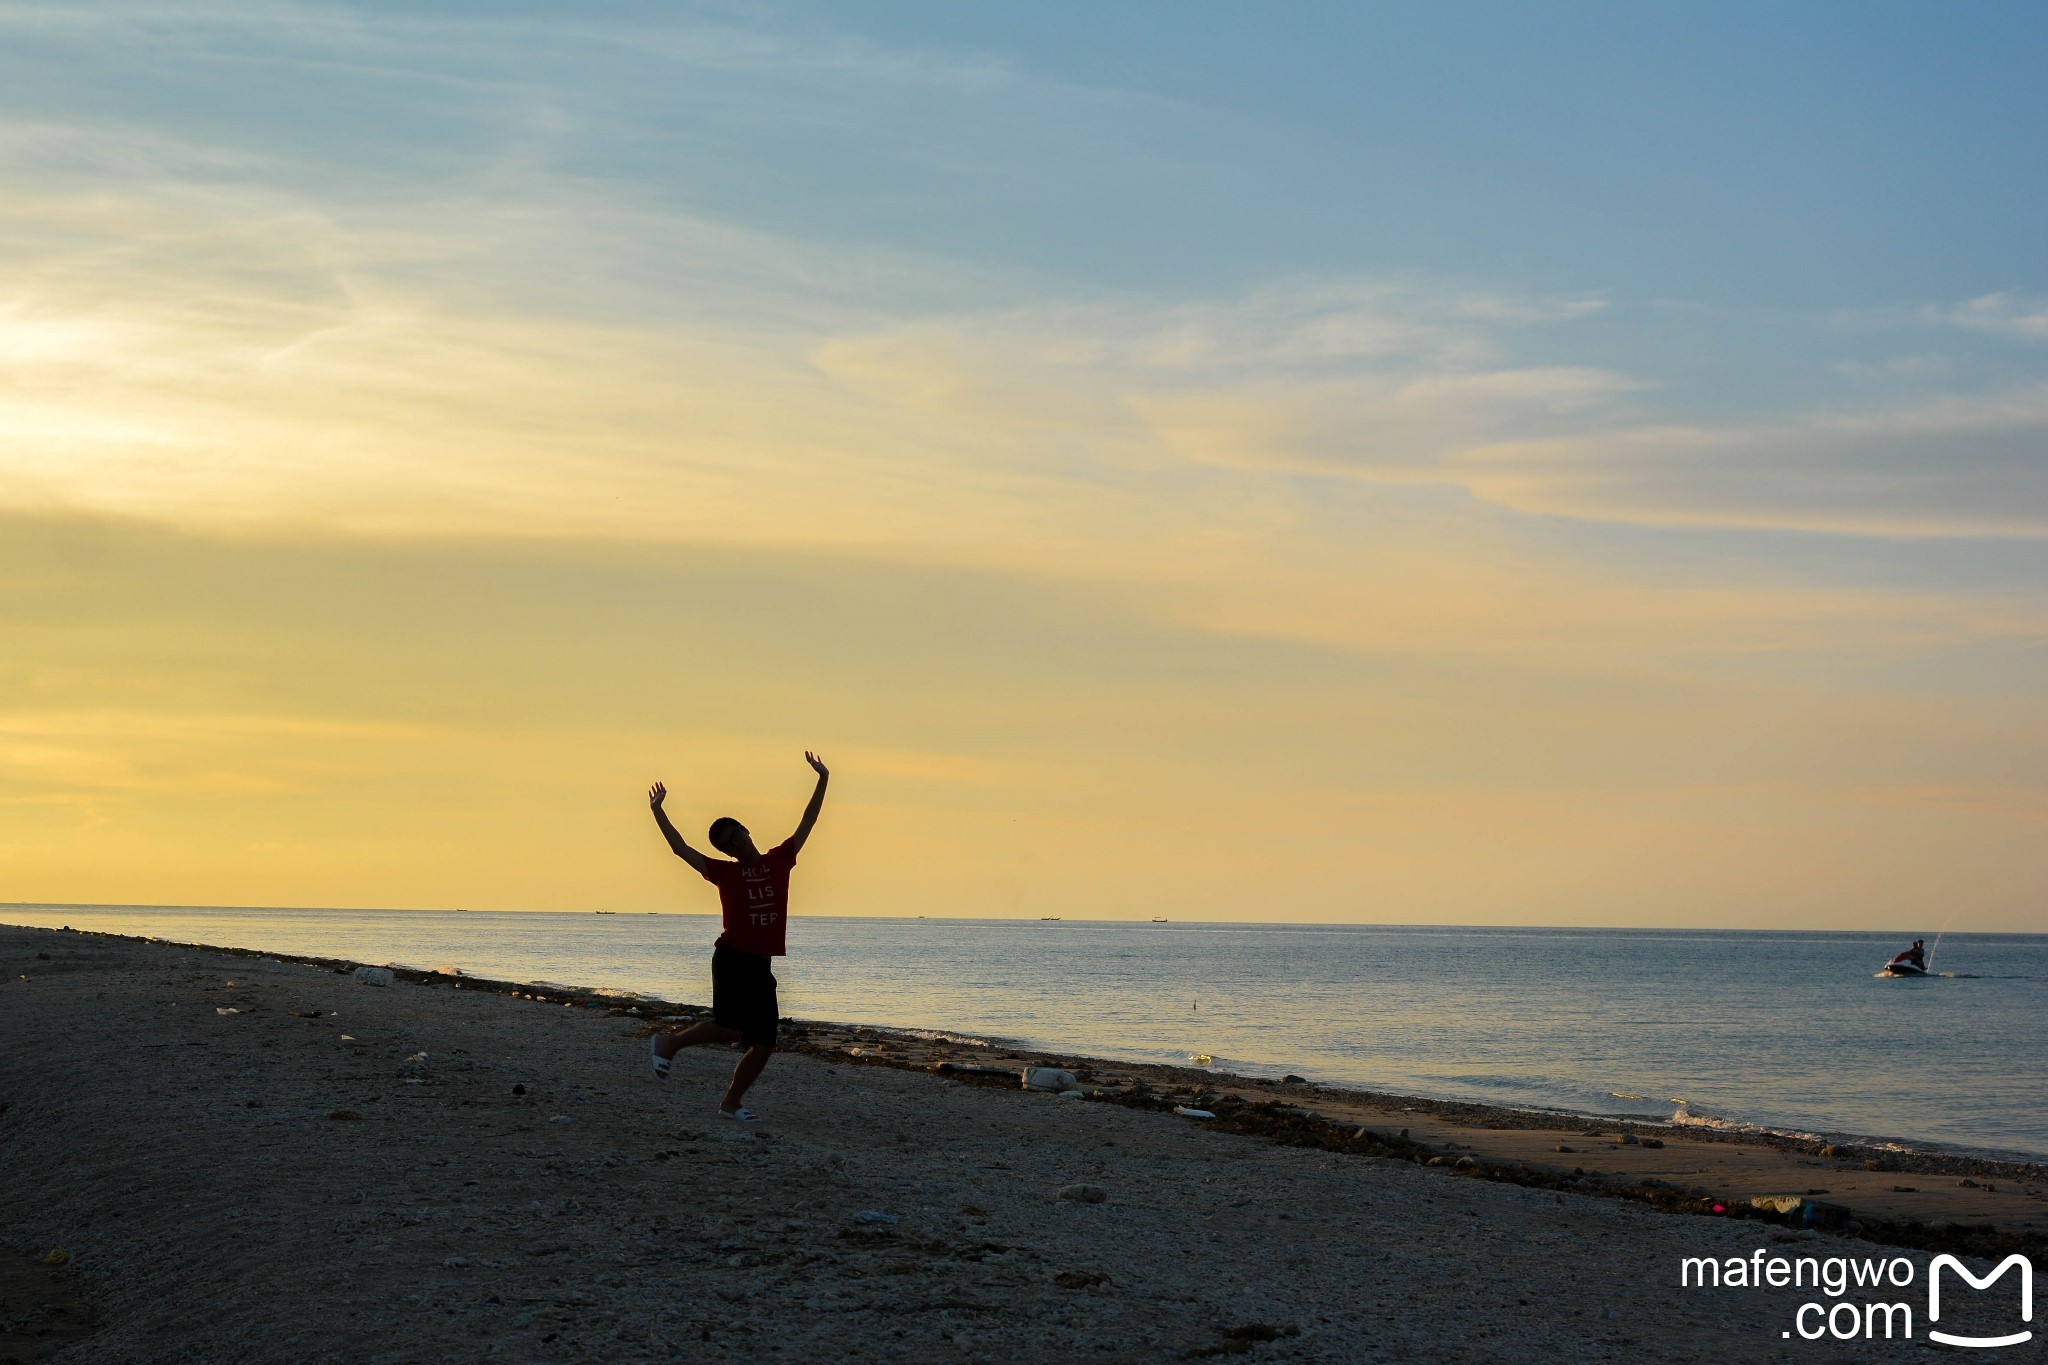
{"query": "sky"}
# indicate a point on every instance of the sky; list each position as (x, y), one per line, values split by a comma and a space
(1451, 463)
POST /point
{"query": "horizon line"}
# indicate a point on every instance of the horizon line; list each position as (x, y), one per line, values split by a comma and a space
(1021, 919)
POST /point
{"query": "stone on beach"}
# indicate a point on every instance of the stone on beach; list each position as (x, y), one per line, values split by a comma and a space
(1050, 1078)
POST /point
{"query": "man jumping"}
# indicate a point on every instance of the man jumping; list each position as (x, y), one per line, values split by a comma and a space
(753, 890)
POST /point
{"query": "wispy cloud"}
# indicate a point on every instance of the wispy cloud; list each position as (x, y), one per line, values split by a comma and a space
(236, 354)
(1395, 384)
(1949, 466)
(2002, 314)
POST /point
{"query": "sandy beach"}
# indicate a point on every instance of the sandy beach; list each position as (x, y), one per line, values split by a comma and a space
(253, 1159)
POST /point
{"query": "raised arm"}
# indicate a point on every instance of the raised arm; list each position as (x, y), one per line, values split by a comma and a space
(657, 794)
(803, 828)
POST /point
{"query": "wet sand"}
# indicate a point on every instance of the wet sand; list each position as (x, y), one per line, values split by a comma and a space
(443, 1169)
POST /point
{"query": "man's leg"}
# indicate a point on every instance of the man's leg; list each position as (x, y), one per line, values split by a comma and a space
(745, 1074)
(667, 1045)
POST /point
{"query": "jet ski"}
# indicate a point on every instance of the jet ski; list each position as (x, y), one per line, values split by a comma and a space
(1903, 965)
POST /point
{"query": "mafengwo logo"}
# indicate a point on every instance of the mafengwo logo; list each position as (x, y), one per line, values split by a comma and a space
(1879, 1314)
(2026, 1269)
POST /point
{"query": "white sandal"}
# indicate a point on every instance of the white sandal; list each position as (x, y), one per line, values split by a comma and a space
(661, 1063)
(742, 1115)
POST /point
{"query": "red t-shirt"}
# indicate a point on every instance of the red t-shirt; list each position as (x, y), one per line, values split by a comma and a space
(755, 898)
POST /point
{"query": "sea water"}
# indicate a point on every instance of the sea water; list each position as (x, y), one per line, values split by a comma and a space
(1784, 1030)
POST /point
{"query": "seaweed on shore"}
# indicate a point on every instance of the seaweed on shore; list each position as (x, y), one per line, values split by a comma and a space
(1290, 1126)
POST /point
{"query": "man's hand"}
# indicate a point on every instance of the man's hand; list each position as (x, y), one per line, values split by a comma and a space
(656, 794)
(817, 764)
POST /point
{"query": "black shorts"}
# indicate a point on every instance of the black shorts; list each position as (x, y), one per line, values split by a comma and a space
(743, 995)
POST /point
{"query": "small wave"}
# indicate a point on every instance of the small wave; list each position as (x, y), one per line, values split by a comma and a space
(1684, 1117)
(932, 1035)
(1626, 1095)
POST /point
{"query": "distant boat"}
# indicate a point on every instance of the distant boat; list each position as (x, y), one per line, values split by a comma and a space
(604, 912)
(1157, 920)
(1050, 919)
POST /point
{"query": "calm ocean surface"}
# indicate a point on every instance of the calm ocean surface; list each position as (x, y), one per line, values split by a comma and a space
(1786, 1030)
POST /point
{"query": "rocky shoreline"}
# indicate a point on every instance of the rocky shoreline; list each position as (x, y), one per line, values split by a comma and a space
(1292, 1112)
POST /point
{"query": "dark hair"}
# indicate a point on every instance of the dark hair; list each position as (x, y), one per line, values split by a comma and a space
(723, 828)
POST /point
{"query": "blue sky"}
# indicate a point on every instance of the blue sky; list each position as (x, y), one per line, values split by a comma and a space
(1761, 195)
(1660, 393)
(1761, 156)
(1758, 156)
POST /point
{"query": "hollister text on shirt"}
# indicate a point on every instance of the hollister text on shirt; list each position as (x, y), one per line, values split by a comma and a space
(755, 899)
